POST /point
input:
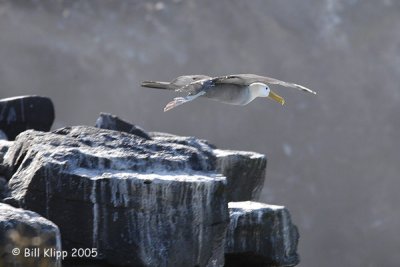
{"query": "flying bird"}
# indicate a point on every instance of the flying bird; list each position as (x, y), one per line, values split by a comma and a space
(237, 89)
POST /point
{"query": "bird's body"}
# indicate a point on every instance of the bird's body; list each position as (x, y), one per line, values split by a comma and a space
(232, 94)
(238, 89)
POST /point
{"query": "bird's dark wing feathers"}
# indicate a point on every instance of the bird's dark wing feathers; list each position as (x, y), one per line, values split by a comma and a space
(187, 79)
(197, 86)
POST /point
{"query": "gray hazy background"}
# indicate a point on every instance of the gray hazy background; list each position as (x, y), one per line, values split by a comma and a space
(334, 158)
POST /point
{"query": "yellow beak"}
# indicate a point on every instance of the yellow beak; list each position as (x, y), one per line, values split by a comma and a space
(276, 97)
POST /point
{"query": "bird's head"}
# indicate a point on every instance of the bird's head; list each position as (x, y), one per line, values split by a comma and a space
(263, 90)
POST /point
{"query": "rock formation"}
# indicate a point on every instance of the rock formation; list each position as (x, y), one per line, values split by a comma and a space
(245, 173)
(147, 199)
(111, 122)
(27, 239)
(260, 235)
(139, 202)
(21, 113)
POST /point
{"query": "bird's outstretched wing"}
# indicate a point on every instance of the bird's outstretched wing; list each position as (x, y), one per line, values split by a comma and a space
(193, 84)
(176, 84)
(198, 86)
(187, 79)
(247, 79)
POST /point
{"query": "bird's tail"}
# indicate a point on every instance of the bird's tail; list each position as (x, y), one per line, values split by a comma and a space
(157, 85)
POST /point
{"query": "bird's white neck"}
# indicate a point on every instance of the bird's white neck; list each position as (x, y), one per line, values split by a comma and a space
(258, 90)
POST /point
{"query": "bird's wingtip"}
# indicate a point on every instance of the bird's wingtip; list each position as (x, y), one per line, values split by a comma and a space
(308, 90)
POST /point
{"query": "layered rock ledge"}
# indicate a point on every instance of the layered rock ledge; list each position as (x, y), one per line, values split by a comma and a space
(260, 235)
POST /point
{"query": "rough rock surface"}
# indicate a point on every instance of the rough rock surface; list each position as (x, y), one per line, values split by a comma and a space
(245, 173)
(140, 202)
(27, 232)
(18, 114)
(112, 122)
(244, 170)
(260, 235)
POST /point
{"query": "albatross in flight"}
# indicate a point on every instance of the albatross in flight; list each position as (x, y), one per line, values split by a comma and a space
(237, 89)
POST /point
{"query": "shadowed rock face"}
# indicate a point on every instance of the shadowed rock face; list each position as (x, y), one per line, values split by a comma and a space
(4, 146)
(18, 114)
(4, 190)
(26, 230)
(138, 201)
(245, 173)
(260, 235)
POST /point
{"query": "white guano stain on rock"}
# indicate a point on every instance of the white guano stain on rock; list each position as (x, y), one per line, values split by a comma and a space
(95, 216)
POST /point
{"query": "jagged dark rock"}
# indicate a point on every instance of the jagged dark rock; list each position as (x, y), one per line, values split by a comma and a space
(27, 232)
(140, 202)
(18, 114)
(245, 173)
(112, 122)
(260, 235)
(4, 190)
